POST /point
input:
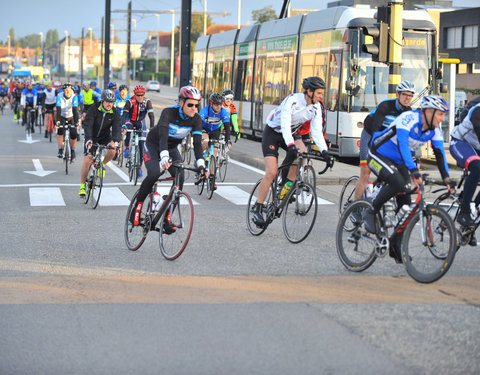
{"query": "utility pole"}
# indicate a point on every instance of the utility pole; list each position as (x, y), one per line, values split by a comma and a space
(204, 17)
(185, 42)
(106, 75)
(158, 44)
(239, 15)
(129, 33)
(41, 46)
(81, 57)
(172, 49)
(101, 54)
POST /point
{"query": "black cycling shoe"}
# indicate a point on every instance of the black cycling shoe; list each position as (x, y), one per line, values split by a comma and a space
(257, 218)
(369, 220)
(356, 217)
(168, 227)
(60, 153)
(464, 218)
(473, 240)
(72, 155)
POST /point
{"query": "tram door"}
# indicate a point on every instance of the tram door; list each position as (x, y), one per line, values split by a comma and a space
(259, 96)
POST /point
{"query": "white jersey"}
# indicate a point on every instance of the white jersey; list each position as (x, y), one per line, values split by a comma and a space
(465, 131)
(50, 97)
(292, 113)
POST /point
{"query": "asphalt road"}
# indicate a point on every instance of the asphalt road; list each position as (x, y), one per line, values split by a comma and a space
(74, 300)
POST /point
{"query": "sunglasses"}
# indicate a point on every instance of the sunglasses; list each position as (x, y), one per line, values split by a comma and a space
(228, 99)
(190, 105)
(139, 94)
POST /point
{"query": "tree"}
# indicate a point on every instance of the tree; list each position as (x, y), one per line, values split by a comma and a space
(265, 14)
(12, 35)
(51, 38)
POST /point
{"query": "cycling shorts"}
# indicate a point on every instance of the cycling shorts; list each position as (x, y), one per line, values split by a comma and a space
(73, 130)
(271, 141)
(463, 152)
(49, 108)
(103, 141)
(213, 135)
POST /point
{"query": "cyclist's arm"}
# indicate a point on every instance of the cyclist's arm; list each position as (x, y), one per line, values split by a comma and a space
(197, 141)
(440, 157)
(379, 116)
(226, 123)
(405, 153)
(23, 99)
(162, 128)
(88, 123)
(286, 121)
(475, 120)
(316, 131)
(75, 110)
(234, 120)
(126, 111)
(150, 113)
(58, 107)
(116, 126)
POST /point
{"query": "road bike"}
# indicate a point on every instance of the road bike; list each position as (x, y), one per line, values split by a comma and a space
(30, 120)
(298, 206)
(50, 125)
(423, 236)
(39, 120)
(172, 218)
(121, 149)
(133, 162)
(186, 149)
(209, 157)
(67, 150)
(222, 158)
(96, 173)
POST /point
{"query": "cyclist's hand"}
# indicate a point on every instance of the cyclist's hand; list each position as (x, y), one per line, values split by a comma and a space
(292, 152)
(328, 142)
(416, 179)
(451, 185)
(165, 162)
(88, 144)
(328, 158)
(229, 145)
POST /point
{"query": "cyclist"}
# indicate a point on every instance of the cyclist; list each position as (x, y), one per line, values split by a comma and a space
(390, 154)
(113, 87)
(379, 120)
(87, 95)
(16, 98)
(122, 97)
(175, 123)
(28, 99)
(213, 116)
(231, 110)
(67, 110)
(40, 89)
(465, 148)
(97, 93)
(4, 93)
(282, 122)
(134, 113)
(49, 101)
(58, 87)
(102, 125)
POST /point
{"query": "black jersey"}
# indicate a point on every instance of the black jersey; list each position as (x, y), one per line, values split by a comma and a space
(383, 116)
(173, 126)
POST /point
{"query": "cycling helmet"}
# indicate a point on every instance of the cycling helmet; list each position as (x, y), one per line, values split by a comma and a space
(406, 86)
(139, 90)
(189, 92)
(108, 96)
(85, 83)
(58, 83)
(112, 84)
(67, 85)
(93, 83)
(42, 81)
(215, 98)
(313, 83)
(227, 92)
(123, 87)
(434, 102)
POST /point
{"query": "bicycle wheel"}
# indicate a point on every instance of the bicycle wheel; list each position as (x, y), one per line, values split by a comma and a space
(88, 184)
(308, 175)
(222, 164)
(429, 260)
(347, 195)
(252, 199)
(121, 147)
(199, 183)
(179, 215)
(137, 166)
(66, 154)
(298, 215)
(449, 203)
(356, 246)
(27, 123)
(211, 178)
(189, 151)
(135, 235)
(97, 184)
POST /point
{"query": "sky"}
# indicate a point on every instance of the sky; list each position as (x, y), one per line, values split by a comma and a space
(71, 16)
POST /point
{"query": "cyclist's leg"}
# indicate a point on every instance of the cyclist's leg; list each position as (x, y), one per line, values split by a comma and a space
(364, 169)
(152, 164)
(60, 136)
(271, 140)
(176, 157)
(205, 139)
(73, 140)
(110, 154)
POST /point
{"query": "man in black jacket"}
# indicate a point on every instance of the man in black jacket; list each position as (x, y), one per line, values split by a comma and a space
(102, 125)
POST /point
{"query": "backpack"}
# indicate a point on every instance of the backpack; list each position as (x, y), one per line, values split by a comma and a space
(468, 107)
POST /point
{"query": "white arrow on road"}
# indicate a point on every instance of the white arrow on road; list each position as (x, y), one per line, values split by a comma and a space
(29, 139)
(40, 172)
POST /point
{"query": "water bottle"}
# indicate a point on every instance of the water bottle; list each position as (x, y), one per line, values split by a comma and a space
(376, 189)
(390, 218)
(473, 211)
(403, 211)
(369, 190)
(286, 188)
(157, 201)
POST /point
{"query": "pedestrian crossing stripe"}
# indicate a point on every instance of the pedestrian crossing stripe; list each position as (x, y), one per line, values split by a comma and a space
(113, 196)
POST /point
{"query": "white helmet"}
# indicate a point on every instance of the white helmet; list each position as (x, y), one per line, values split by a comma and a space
(434, 102)
(42, 81)
(406, 86)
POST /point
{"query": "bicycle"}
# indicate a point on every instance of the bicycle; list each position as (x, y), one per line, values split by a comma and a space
(39, 120)
(298, 206)
(133, 163)
(186, 149)
(427, 250)
(121, 148)
(173, 219)
(222, 158)
(96, 172)
(452, 202)
(209, 156)
(50, 127)
(67, 152)
(30, 121)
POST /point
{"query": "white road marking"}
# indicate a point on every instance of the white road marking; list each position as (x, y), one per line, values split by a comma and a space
(39, 171)
(46, 197)
(259, 171)
(113, 196)
(233, 194)
(118, 171)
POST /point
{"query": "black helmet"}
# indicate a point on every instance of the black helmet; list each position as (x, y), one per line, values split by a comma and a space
(216, 98)
(123, 87)
(227, 92)
(313, 83)
(67, 85)
(108, 96)
(112, 85)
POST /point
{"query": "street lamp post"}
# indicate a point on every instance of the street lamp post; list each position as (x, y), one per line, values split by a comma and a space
(67, 62)
(205, 17)
(134, 21)
(172, 48)
(239, 13)
(41, 45)
(158, 44)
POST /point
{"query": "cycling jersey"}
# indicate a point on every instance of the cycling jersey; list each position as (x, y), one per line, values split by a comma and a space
(100, 124)
(136, 111)
(212, 120)
(97, 94)
(40, 90)
(3, 90)
(49, 97)
(405, 134)
(120, 103)
(67, 108)
(469, 129)
(292, 113)
(87, 97)
(17, 94)
(28, 97)
(232, 112)
(381, 118)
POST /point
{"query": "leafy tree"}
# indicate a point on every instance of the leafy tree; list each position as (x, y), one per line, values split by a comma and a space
(12, 35)
(51, 38)
(265, 14)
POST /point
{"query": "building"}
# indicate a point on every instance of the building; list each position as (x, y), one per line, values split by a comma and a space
(459, 38)
(149, 48)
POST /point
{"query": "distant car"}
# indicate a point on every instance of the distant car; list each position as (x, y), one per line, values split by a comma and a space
(153, 86)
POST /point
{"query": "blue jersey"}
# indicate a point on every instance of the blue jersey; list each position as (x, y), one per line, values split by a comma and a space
(212, 120)
(120, 103)
(40, 92)
(97, 94)
(405, 135)
(3, 91)
(28, 97)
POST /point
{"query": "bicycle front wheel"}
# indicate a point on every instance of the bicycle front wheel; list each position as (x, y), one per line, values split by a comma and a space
(97, 184)
(199, 183)
(355, 245)
(308, 175)
(252, 199)
(300, 212)
(176, 226)
(347, 195)
(211, 178)
(135, 234)
(223, 165)
(137, 166)
(429, 244)
(66, 155)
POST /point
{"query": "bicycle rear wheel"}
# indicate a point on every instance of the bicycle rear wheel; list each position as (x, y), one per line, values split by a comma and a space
(178, 217)
(429, 260)
(97, 184)
(88, 184)
(135, 235)
(223, 163)
(300, 212)
(211, 178)
(355, 245)
(252, 199)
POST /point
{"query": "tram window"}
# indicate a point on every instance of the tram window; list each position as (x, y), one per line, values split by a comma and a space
(321, 65)
(333, 81)
(277, 81)
(243, 79)
(269, 81)
(306, 69)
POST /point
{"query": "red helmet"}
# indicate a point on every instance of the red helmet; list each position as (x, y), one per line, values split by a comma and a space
(139, 90)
